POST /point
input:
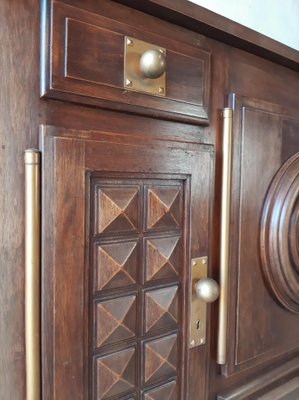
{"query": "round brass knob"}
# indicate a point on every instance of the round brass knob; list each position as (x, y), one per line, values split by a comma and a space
(207, 290)
(153, 63)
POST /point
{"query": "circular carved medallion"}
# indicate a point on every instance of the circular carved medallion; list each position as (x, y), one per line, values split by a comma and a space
(279, 239)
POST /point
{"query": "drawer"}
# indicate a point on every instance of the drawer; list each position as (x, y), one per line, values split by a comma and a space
(83, 61)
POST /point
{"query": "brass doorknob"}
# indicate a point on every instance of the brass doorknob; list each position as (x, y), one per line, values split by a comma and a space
(153, 63)
(207, 290)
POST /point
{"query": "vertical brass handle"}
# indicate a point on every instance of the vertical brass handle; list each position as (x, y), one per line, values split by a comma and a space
(32, 273)
(224, 233)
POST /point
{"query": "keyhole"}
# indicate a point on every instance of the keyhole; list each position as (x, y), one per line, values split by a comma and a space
(197, 324)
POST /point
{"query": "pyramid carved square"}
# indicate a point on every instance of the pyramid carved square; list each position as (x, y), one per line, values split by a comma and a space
(163, 258)
(115, 320)
(115, 374)
(160, 358)
(161, 309)
(117, 209)
(163, 207)
(116, 264)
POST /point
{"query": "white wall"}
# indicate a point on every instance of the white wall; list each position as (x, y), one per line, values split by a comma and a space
(278, 19)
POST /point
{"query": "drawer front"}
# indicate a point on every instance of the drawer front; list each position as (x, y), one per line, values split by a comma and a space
(84, 55)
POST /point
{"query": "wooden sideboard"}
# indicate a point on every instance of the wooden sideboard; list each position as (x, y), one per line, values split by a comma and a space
(134, 195)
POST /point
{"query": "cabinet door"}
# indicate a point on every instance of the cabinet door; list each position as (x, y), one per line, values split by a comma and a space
(121, 220)
(263, 300)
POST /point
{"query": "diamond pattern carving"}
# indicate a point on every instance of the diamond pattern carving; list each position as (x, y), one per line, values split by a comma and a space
(117, 209)
(163, 258)
(115, 320)
(164, 207)
(116, 264)
(161, 308)
(115, 373)
(165, 392)
(160, 358)
(131, 260)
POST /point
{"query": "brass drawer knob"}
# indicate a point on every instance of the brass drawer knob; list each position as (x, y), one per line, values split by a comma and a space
(207, 290)
(153, 63)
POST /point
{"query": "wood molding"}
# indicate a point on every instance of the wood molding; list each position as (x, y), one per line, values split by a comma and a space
(279, 240)
(260, 384)
(290, 388)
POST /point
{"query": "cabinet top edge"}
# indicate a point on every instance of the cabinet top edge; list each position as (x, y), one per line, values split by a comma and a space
(215, 26)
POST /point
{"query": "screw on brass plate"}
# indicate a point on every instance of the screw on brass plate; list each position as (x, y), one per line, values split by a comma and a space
(192, 343)
(202, 341)
(129, 42)
(161, 90)
(204, 260)
(129, 83)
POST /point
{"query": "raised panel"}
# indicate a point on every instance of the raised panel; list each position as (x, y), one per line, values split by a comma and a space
(161, 309)
(83, 61)
(164, 208)
(257, 323)
(92, 56)
(115, 374)
(115, 320)
(160, 359)
(117, 209)
(260, 131)
(116, 264)
(128, 304)
(163, 258)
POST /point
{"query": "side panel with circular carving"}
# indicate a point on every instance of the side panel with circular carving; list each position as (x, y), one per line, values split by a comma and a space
(280, 235)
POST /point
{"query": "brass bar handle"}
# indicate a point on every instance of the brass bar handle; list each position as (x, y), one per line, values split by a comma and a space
(227, 115)
(32, 273)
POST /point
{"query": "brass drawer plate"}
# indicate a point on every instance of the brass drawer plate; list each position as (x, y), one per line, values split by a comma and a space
(198, 309)
(133, 78)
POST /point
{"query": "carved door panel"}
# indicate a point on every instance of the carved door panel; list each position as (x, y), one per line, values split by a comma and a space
(118, 233)
(263, 292)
